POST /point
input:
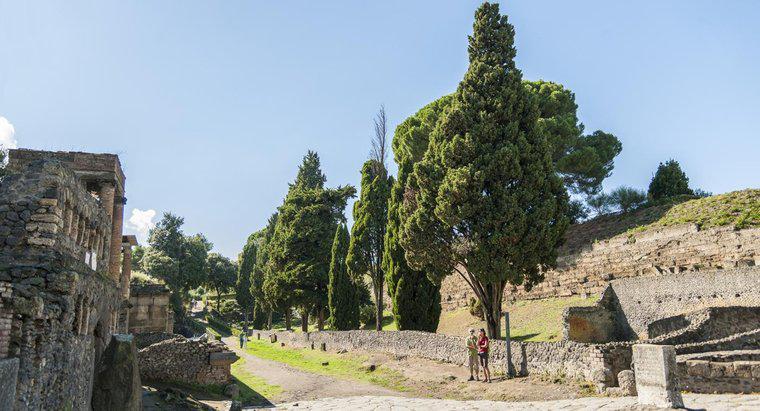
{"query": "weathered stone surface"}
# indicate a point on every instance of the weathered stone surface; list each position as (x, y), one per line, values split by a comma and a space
(194, 361)
(117, 379)
(8, 375)
(627, 382)
(656, 375)
(722, 371)
(150, 310)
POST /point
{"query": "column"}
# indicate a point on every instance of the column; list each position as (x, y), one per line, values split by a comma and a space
(126, 269)
(118, 216)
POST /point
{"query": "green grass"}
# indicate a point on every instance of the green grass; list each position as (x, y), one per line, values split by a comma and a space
(254, 390)
(529, 320)
(740, 209)
(342, 366)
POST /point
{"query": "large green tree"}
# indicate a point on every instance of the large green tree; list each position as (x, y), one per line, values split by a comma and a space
(416, 300)
(176, 259)
(343, 298)
(486, 201)
(263, 307)
(222, 274)
(246, 262)
(365, 252)
(669, 181)
(301, 245)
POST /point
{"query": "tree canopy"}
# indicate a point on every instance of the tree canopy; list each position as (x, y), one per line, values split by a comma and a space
(669, 181)
(486, 200)
(343, 298)
(222, 274)
(246, 262)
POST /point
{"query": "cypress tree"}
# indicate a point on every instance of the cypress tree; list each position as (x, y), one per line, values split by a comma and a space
(365, 252)
(342, 293)
(416, 299)
(246, 261)
(486, 201)
(669, 181)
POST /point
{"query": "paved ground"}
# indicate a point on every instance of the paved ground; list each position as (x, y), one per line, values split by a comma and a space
(376, 403)
(301, 385)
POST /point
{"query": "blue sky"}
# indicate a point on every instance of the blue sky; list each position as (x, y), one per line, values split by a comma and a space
(211, 105)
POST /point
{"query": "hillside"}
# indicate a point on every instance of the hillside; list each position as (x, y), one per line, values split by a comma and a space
(738, 208)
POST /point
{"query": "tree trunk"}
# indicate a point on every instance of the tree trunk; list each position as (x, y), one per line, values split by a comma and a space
(492, 309)
(321, 319)
(379, 306)
(305, 321)
(218, 301)
(269, 320)
(287, 319)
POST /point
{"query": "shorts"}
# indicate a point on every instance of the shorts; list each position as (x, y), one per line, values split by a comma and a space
(483, 358)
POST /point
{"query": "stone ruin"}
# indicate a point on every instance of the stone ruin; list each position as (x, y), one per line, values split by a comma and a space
(149, 310)
(62, 278)
(711, 319)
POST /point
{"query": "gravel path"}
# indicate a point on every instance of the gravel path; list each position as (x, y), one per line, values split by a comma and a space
(709, 402)
(302, 385)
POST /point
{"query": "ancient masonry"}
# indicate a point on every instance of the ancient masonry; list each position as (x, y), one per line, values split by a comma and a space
(587, 269)
(149, 309)
(62, 282)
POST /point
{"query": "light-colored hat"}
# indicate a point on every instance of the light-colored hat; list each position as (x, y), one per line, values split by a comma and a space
(472, 330)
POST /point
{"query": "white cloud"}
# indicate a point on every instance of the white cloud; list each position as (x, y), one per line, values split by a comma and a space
(141, 222)
(7, 131)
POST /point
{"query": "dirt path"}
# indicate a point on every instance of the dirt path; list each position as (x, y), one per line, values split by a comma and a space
(300, 385)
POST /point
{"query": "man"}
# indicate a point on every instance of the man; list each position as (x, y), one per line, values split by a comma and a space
(483, 354)
(242, 339)
(472, 355)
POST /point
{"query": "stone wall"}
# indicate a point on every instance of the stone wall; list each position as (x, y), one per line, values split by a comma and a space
(720, 372)
(586, 268)
(696, 306)
(597, 363)
(54, 253)
(190, 361)
(149, 309)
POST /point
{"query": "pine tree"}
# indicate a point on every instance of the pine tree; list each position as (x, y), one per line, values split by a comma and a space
(342, 292)
(301, 245)
(416, 300)
(365, 252)
(486, 201)
(246, 261)
(669, 181)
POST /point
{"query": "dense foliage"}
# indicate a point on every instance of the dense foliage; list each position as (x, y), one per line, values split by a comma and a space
(669, 181)
(176, 259)
(246, 262)
(365, 252)
(485, 200)
(416, 300)
(300, 247)
(222, 274)
(343, 298)
(627, 198)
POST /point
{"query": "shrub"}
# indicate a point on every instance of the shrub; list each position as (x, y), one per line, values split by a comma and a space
(476, 310)
(627, 198)
(668, 181)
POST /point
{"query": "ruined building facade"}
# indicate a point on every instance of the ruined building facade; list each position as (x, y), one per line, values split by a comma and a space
(63, 281)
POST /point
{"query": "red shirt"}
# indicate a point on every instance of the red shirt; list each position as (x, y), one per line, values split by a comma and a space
(483, 344)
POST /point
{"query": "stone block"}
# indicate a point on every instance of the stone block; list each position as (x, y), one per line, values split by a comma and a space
(117, 379)
(656, 375)
(8, 376)
(222, 358)
(627, 382)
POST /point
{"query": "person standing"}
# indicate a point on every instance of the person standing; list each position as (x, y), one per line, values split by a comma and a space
(472, 355)
(242, 339)
(483, 354)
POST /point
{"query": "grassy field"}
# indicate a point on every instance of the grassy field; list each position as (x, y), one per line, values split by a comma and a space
(343, 366)
(530, 320)
(254, 390)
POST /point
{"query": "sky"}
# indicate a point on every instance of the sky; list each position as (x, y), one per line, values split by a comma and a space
(211, 105)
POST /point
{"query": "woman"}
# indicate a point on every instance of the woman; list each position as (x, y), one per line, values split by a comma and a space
(483, 354)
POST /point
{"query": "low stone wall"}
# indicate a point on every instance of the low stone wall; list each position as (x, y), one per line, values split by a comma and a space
(191, 361)
(587, 269)
(597, 363)
(143, 340)
(720, 372)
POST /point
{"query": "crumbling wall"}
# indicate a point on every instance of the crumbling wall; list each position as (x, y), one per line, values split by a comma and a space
(191, 361)
(54, 253)
(149, 309)
(725, 371)
(584, 270)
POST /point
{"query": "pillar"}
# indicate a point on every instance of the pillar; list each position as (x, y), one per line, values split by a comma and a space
(118, 217)
(126, 269)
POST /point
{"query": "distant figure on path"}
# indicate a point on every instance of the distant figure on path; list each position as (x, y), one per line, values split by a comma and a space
(472, 355)
(483, 354)
(242, 339)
